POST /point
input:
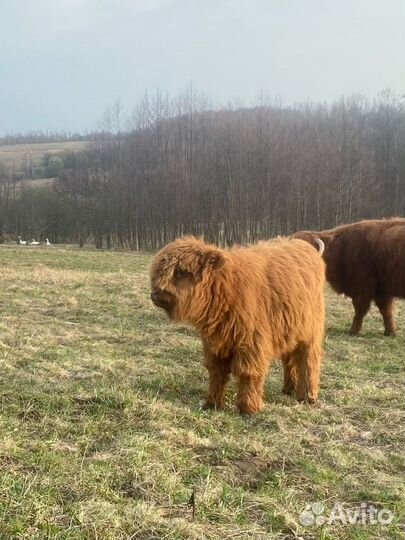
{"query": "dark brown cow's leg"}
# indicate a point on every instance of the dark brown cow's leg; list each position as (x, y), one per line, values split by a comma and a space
(385, 305)
(361, 306)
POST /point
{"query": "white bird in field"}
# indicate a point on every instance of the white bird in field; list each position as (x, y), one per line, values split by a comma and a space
(48, 242)
(21, 242)
(34, 243)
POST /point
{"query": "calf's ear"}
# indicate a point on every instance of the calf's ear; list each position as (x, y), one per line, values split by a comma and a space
(213, 260)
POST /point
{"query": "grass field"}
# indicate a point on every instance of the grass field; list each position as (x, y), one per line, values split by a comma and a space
(102, 436)
(13, 155)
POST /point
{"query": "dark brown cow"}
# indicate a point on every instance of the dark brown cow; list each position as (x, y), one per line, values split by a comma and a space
(365, 261)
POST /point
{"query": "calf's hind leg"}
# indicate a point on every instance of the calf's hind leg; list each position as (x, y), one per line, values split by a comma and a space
(385, 304)
(308, 359)
(290, 374)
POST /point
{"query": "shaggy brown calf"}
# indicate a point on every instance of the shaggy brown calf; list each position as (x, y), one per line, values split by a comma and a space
(250, 305)
(365, 261)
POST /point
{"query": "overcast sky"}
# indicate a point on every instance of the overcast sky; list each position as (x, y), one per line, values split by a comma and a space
(62, 62)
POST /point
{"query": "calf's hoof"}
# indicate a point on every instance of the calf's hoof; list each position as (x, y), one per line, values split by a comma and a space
(246, 409)
(308, 400)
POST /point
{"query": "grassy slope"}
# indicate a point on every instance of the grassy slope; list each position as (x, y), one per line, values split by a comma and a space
(103, 438)
(13, 155)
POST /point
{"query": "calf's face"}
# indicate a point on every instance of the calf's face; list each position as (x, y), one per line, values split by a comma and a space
(172, 286)
(179, 275)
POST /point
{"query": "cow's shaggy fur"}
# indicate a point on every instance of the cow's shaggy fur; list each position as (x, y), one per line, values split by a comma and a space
(365, 261)
(250, 305)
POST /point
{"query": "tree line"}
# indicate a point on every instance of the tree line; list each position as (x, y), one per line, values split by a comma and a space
(40, 136)
(178, 166)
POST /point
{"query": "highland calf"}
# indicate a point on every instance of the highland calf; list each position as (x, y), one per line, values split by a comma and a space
(365, 261)
(249, 305)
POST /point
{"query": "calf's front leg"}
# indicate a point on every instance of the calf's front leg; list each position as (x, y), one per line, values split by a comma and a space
(250, 370)
(219, 371)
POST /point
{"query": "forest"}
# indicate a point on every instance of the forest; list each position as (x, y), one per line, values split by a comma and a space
(176, 166)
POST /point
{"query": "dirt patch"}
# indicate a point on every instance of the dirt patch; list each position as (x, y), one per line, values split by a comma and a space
(249, 470)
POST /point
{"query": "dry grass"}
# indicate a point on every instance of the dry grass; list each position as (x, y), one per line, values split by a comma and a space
(103, 436)
(14, 155)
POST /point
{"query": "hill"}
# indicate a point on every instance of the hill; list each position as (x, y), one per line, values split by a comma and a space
(17, 155)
